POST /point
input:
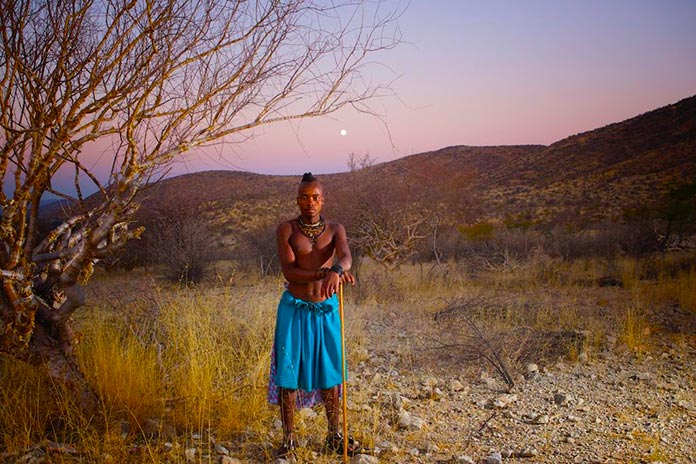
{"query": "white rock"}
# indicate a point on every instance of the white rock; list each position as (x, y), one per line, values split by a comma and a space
(409, 422)
(506, 400)
(455, 385)
(414, 452)
(464, 460)
(219, 449)
(229, 460)
(404, 420)
(190, 454)
(542, 419)
(430, 382)
(364, 459)
(495, 458)
(532, 371)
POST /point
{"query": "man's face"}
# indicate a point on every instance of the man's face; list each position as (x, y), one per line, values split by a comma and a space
(310, 199)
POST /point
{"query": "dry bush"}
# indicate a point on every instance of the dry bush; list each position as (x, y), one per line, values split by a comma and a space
(181, 238)
(258, 250)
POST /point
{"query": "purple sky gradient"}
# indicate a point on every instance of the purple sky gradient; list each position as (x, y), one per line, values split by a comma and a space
(492, 73)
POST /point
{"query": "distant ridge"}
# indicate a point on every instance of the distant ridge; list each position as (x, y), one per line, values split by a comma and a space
(587, 177)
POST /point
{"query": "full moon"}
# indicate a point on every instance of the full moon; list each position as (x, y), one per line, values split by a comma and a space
(344, 132)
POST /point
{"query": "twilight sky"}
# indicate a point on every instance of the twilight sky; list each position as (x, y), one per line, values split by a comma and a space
(493, 73)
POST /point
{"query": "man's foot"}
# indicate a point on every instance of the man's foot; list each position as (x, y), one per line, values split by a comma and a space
(286, 450)
(334, 442)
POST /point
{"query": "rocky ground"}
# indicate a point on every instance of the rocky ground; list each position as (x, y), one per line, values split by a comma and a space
(419, 395)
(608, 406)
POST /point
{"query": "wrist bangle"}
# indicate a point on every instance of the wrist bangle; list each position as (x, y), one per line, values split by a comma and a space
(338, 269)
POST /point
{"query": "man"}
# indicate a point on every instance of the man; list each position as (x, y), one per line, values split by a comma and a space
(306, 359)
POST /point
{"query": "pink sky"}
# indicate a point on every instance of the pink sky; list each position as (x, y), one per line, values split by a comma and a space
(493, 73)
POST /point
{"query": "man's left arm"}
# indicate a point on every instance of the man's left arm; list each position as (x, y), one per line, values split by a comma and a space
(343, 257)
(329, 285)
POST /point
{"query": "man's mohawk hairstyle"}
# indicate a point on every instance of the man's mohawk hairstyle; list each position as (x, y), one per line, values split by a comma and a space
(308, 177)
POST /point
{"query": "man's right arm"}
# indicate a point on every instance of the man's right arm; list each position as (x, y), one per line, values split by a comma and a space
(286, 255)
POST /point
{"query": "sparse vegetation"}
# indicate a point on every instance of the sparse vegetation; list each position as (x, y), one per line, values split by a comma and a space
(172, 363)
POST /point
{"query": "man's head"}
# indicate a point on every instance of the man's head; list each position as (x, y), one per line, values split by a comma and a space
(310, 197)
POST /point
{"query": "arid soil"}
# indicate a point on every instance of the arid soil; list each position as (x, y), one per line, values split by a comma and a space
(609, 404)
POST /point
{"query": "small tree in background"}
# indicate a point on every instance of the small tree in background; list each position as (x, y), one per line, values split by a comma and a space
(385, 222)
(151, 80)
(180, 238)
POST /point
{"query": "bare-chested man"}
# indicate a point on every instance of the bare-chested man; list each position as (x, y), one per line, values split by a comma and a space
(306, 362)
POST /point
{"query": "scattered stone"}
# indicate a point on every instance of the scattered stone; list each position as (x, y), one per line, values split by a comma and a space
(361, 354)
(364, 459)
(430, 382)
(504, 401)
(583, 357)
(229, 460)
(541, 419)
(527, 453)
(414, 452)
(409, 422)
(532, 371)
(495, 458)
(464, 460)
(455, 385)
(561, 398)
(190, 454)
(573, 418)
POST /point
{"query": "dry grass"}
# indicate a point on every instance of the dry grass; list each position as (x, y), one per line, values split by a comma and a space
(189, 367)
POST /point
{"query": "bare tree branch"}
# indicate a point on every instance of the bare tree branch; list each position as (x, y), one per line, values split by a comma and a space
(152, 80)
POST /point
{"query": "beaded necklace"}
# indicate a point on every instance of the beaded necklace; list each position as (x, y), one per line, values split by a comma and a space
(312, 231)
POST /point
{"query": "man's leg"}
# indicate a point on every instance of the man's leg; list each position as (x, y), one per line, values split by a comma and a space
(287, 399)
(330, 398)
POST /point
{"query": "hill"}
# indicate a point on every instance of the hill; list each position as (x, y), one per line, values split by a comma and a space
(586, 177)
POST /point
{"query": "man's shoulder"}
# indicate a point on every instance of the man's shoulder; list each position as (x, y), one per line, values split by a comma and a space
(335, 225)
(286, 225)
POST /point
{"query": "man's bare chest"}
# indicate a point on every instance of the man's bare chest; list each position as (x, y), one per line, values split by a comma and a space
(304, 247)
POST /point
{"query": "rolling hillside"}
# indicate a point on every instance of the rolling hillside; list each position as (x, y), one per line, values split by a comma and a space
(586, 177)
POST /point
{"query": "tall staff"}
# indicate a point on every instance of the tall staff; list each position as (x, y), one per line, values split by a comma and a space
(343, 372)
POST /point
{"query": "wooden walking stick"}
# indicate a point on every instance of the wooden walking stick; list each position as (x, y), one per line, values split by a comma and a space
(343, 372)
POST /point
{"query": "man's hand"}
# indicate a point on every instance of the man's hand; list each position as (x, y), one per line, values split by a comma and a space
(331, 281)
(348, 278)
(329, 285)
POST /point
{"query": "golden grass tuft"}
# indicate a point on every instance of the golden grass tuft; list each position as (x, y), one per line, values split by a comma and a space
(122, 370)
(23, 409)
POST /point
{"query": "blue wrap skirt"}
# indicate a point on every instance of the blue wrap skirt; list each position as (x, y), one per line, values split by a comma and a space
(307, 348)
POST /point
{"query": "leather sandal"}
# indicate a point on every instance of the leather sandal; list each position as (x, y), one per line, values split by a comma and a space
(334, 442)
(286, 450)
